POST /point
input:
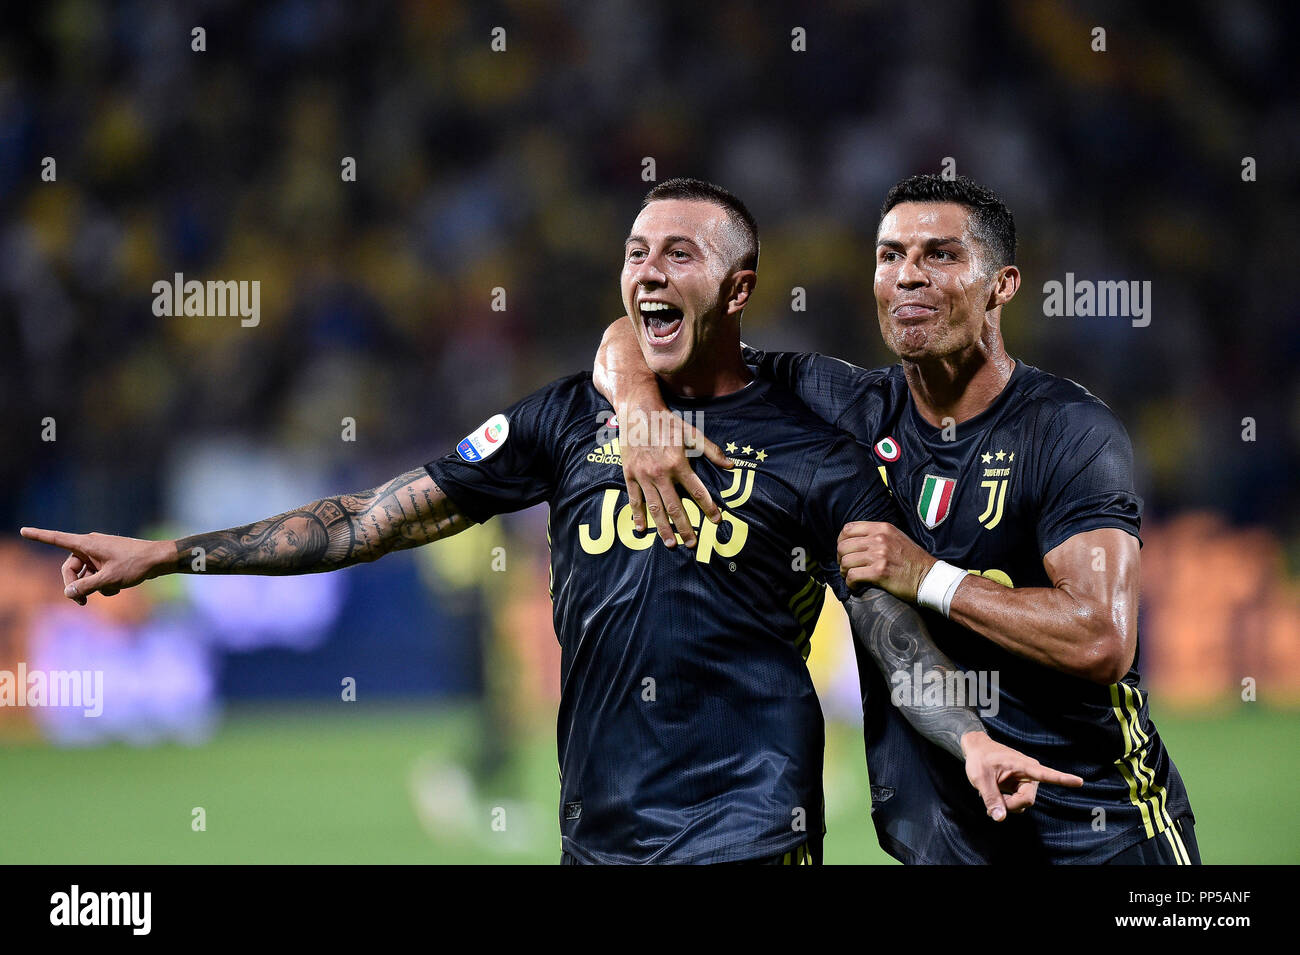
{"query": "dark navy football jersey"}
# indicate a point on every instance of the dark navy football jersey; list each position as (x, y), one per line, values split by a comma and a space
(1046, 461)
(689, 729)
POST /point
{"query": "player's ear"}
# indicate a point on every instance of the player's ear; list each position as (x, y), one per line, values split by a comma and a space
(741, 286)
(1005, 285)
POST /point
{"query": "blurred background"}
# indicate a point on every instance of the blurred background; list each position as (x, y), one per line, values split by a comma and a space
(519, 169)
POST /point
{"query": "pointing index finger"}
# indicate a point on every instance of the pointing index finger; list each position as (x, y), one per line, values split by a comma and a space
(53, 538)
(1045, 774)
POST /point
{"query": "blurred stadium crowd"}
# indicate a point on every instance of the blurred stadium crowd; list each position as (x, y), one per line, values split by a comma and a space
(521, 170)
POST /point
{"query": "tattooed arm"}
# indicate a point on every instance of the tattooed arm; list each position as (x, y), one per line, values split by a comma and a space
(333, 532)
(895, 636)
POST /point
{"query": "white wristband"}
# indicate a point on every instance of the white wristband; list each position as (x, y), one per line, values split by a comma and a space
(940, 583)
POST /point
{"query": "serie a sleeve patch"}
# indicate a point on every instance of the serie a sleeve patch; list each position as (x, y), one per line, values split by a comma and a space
(485, 440)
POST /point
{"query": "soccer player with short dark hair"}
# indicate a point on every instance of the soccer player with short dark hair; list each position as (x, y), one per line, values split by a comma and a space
(689, 729)
(1021, 545)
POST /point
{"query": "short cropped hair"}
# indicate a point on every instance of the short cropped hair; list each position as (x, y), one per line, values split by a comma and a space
(991, 221)
(699, 190)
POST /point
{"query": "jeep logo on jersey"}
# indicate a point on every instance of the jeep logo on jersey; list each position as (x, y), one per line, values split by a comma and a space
(616, 524)
(484, 441)
(888, 450)
(936, 500)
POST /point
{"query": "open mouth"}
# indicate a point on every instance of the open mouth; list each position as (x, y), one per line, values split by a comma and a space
(663, 322)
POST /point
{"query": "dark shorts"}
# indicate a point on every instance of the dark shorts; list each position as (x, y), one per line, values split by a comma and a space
(1175, 846)
(805, 854)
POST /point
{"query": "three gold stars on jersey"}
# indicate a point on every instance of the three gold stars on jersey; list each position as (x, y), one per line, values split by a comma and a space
(934, 503)
(747, 449)
(996, 481)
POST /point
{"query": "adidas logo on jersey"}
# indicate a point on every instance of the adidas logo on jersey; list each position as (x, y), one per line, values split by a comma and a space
(609, 453)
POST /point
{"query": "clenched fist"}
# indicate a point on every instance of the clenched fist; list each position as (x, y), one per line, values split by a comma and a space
(871, 552)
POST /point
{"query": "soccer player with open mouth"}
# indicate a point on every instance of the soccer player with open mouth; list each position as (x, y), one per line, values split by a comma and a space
(1019, 542)
(689, 730)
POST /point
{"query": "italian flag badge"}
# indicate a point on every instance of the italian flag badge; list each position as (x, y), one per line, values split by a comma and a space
(936, 500)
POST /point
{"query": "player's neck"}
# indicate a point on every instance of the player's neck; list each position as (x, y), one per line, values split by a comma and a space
(711, 377)
(959, 386)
